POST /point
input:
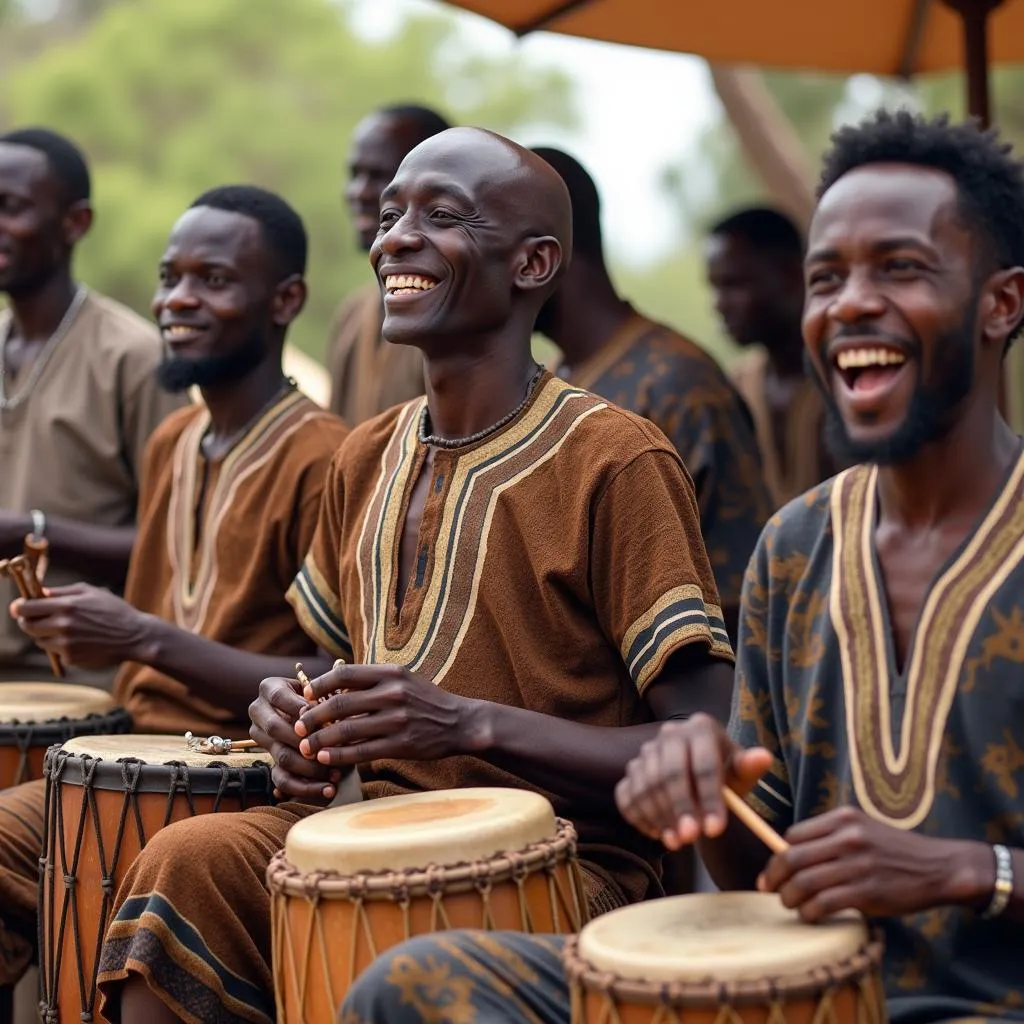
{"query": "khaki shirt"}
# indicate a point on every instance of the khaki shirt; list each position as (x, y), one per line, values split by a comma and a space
(74, 447)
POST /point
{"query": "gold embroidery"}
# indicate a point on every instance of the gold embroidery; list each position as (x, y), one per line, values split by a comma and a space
(897, 786)
(435, 994)
(1004, 761)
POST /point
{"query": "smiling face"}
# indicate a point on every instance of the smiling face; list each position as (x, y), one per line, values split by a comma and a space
(467, 229)
(215, 303)
(891, 315)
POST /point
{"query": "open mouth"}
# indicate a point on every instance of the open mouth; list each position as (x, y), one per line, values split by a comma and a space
(869, 368)
(181, 334)
(408, 284)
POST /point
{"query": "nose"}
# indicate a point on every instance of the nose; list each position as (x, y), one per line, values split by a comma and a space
(180, 295)
(402, 236)
(857, 299)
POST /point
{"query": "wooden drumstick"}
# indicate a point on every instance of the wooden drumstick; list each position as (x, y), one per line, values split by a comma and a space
(37, 551)
(31, 589)
(754, 822)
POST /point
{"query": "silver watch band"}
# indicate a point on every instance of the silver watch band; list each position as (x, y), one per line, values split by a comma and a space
(1003, 888)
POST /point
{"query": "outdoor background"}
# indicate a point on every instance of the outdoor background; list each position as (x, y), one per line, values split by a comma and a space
(170, 97)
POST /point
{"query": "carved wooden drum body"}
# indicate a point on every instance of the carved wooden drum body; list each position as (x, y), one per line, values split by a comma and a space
(723, 958)
(355, 881)
(106, 797)
(34, 716)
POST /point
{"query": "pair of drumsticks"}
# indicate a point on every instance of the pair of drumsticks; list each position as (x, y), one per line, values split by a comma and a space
(28, 571)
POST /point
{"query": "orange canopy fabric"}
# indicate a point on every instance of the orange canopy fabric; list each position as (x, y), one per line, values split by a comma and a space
(886, 37)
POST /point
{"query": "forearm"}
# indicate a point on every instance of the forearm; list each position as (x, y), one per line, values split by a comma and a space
(735, 858)
(99, 553)
(971, 879)
(222, 675)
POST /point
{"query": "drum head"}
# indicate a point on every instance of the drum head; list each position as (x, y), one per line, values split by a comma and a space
(44, 702)
(404, 833)
(733, 936)
(159, 750)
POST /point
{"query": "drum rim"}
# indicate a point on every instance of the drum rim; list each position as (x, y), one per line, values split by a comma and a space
(9, 736)
(283, 878)
(61, 767)
(691, 995)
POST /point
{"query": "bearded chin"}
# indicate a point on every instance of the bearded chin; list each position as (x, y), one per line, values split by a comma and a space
(932, 412)
(179, 373)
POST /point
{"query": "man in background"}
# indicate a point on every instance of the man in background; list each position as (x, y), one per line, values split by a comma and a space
(78, 389)
(368, 375)
(755, 270)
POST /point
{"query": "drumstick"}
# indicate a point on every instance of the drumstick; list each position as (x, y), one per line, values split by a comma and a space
(20, 571)
(754, 822)
(37, 550)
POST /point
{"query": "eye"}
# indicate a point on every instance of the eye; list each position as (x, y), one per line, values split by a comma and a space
(822, 277)
(215, 279)
(443, 216)
(903, 265)
(167, 277)
(388, 218)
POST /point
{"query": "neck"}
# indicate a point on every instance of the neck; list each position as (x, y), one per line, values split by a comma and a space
(786, 353)
(470, 391)
(953, 479)
(38, 314)
(590, 313)
(233, 406)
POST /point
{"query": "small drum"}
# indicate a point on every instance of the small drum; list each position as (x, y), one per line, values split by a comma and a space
(738, 957)
(354, 881)
(34, 716)
(106, 797)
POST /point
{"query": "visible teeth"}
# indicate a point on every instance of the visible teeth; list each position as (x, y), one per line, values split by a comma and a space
(857, 358)
(178, 330)
(408, 282)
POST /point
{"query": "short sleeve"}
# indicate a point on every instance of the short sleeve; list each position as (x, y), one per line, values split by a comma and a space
(653, 588)
(314, 592)
(752, 722)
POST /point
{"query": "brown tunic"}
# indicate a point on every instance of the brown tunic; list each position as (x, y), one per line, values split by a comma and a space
(368, 374)
(74, 447)
(227, 584)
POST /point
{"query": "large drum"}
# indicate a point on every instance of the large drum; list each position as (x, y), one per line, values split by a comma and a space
(106, 797)
(354, 881)
(34, 716)
(738, 957)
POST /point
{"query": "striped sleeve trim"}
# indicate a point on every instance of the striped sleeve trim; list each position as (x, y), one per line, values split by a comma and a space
(318, 610)
(675, 619)
(771, 796)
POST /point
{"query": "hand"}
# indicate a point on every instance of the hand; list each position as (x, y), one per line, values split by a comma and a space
(845, 860)
(673, 788)
(387, 713)
(14, 527)
(85, 625)
(273, 715)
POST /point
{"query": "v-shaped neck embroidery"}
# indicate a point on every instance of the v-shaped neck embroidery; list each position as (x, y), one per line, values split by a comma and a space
(895, 782)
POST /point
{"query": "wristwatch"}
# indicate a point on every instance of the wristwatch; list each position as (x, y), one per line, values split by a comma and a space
(1003, 889)
(38, 523)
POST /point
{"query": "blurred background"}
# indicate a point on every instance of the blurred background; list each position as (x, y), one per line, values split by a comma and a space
(169, 97)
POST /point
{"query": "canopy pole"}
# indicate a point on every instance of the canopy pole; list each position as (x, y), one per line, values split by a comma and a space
(974, 14)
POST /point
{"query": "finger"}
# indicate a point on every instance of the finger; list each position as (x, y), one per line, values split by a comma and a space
(353, 677)
(268, 723)
(746, 767)
(810, 883)
(285, 695)
(682, 823)
(292, 762)
(707, 779)
(40, 607)
(824, 825)
(831, 901)
(342, 706)
(385, 748)
(637, 806)
(350, 731)
(783, 866)
(326, 683)
(288, 785)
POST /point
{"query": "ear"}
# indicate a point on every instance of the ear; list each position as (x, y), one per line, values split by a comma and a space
(537, 263)
(1002, 306)
(289, 300)
(76, 222)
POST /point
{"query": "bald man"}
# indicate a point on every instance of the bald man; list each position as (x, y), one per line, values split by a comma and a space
(511, 567)
(367, 374)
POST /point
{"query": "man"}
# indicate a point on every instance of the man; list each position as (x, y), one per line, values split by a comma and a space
(228, 506)
(511, 567)
(651, 370)
(367, 374)
(878, 719)
(78, 395)
(755, 270)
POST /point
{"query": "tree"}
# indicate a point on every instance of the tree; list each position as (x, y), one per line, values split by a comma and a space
(171, 97)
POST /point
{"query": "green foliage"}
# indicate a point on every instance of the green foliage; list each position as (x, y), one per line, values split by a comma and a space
(171, 97)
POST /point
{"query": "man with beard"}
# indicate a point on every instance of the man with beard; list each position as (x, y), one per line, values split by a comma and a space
(228, 506)
(755, 271)
(78, 396)
(369, 375)
(611, 349)
(878, 718)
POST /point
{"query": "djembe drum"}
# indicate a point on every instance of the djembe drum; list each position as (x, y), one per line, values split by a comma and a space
(723, 958)
(34, 716)
(106, 797)
(354, 881)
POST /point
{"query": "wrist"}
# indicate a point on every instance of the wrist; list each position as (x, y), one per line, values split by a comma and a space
(477, 727)
(971, 878)
(147, 639)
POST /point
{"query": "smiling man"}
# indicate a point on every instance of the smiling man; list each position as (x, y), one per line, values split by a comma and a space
(78, 395)
(511, 566)
(878, 719)
(228, 506)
